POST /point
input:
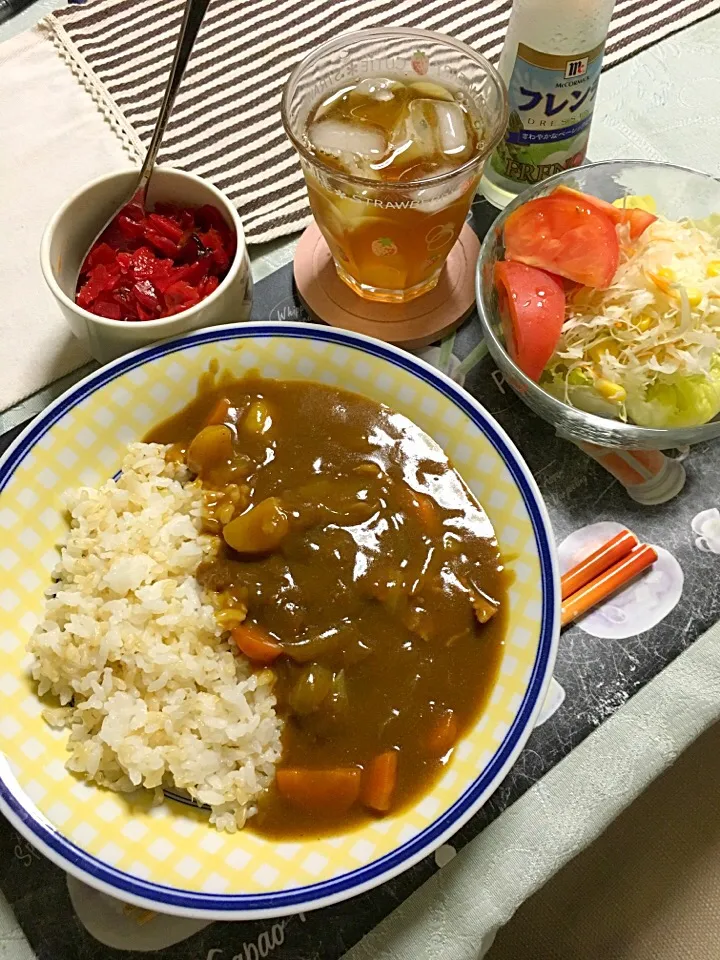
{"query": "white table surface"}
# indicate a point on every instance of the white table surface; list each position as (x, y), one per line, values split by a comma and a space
(664, 104)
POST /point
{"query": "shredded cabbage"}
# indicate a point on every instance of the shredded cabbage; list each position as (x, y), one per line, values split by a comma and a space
(648, 348)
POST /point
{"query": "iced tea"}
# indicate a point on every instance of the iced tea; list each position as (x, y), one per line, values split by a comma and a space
(392, 126)
(390, 242)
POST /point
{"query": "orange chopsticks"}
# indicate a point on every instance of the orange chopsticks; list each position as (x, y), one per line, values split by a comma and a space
(604, 572)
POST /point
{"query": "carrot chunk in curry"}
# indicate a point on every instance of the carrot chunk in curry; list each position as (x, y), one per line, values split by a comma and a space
(352, 562)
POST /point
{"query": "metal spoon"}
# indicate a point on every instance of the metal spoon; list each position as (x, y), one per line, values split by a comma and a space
(192, 18)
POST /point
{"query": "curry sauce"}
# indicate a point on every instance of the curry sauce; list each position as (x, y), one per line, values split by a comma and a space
(355, 564)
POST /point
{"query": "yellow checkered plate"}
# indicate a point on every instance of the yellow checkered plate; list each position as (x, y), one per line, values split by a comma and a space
(168, 858)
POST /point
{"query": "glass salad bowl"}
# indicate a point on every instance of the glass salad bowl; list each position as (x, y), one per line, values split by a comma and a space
(678, 192)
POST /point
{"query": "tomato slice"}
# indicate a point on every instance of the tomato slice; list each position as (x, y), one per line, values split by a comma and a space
(532, 307)
(637, 220)
(565, 235)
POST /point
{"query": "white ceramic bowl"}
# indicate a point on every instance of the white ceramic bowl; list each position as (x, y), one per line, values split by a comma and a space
(75, 225)
(168, 858)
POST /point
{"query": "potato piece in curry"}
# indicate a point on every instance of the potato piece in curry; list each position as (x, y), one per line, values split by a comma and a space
(354, 563)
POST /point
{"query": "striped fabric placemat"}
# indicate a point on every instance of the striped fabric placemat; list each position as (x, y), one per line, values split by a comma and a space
(226, 122)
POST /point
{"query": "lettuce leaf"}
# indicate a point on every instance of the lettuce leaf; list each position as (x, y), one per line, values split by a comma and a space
(583, 396)
(678, 401)
(710, 224)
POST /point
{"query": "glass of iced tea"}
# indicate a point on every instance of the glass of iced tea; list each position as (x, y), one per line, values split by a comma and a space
(393, 127)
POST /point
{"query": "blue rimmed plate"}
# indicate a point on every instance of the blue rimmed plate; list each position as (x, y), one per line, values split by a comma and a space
(168, 858)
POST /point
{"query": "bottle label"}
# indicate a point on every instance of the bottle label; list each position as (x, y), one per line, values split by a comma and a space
(551, 104)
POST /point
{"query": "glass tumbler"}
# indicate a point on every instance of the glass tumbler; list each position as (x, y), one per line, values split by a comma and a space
(390, 240)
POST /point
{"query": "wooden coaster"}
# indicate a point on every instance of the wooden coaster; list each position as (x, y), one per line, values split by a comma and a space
(411, 325)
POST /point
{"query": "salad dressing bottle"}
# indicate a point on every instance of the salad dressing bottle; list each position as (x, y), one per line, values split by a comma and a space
(551, 64)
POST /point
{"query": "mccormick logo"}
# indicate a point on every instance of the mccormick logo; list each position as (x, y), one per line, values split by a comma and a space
(576, 68)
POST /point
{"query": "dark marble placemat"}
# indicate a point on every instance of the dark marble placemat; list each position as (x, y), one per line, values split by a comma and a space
(598, 676)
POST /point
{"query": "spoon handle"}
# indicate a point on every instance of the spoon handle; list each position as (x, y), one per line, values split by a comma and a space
(192, 18)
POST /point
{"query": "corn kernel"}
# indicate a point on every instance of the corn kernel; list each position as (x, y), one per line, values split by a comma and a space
(635, 202)
(644, 324)
(661, 282)
(610, 391)
(665, 273)
(694, 296)
(605, 346)
(713, 269)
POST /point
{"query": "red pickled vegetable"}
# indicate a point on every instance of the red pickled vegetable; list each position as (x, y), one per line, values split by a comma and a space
(124, 261)
(164, 275)
(129, 228)
(145, 295)
(213, 241)
(150, 265)
(208, 285)
(181, 294)
(161, 243)
(194, 273)
(102, 253)
(108, 309)
(133, 210)
(191, 250)
(129, 305)
(185, 217)
(167, 227)
(142, 263)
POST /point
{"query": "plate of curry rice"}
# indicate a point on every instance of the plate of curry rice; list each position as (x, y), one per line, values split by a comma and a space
(280, 610)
